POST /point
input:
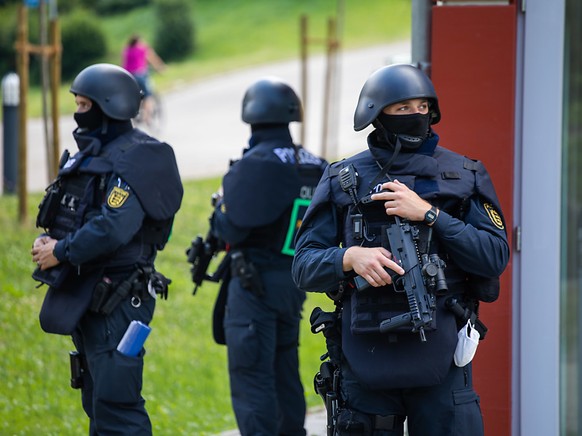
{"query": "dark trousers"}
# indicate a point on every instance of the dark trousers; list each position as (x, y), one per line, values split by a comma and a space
(448, 409)
(262, 334)
(111, 392)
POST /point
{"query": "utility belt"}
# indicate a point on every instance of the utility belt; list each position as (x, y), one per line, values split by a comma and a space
(352, 422)
(141, 284)
(247, 273)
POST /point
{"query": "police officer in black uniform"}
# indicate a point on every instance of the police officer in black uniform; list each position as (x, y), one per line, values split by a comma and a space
(265, 194)
(390, 373)
(106, 216)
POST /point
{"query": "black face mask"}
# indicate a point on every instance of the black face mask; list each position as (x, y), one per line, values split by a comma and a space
(411, 129)
(90, 120)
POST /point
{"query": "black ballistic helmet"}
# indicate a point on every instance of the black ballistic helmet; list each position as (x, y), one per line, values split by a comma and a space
(390, 85)
(271, 101)
(112, 88)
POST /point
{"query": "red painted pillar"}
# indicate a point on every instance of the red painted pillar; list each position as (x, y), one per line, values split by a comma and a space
(473, 52)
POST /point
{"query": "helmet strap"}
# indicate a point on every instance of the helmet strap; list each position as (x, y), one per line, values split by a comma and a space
(386, 167)
(104, 125)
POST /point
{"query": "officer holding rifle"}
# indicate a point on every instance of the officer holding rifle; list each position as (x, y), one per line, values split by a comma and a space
(407, 237)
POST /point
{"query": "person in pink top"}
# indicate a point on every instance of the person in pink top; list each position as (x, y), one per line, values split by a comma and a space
(138, 56)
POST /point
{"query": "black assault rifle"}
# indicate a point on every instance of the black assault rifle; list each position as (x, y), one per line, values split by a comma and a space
(200, 254)
(423, 276)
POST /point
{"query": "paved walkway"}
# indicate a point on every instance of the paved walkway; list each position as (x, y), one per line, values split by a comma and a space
(315, 423)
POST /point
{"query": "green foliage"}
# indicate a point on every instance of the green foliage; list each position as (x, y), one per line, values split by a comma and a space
(174, 39)
(232, 34)
(8, 36)
(7, 39)
(83, 42)
(109, 7)
(185, 378)
(101, 7)
(68, 6)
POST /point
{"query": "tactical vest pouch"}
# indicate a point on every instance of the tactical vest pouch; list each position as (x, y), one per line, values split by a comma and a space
(73, 206)
(54, 276)
(483, 288)
(157, 232)
(400, 360)
(63, 307)
(374, 305)
(49, 206)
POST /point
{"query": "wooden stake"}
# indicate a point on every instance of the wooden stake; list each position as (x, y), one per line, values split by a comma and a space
(303, 49)
(22, 68)
(55, 64)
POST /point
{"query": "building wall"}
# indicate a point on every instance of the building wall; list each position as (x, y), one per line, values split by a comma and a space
(473, 56)
(499, 71)
(537, 270)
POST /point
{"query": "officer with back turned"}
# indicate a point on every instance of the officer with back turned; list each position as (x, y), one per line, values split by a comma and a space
(107, 214)
(396, 343)
(265, 194)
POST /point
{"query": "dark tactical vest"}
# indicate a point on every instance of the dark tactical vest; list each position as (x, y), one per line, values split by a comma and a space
(285, 189)
(268, 192)
(78, 194)
(398, 358)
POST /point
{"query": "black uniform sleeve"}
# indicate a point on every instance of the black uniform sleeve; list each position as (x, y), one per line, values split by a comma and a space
(478, 244)
(318, 261)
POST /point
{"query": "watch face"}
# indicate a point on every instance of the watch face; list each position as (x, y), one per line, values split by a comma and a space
(430, 216)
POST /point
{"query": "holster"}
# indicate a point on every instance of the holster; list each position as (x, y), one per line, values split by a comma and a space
(108, 294)
(328, 323)
(465, 313)
(247, 273)
(78, 365)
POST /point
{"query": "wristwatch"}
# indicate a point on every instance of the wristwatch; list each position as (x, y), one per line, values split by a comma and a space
(430, 216)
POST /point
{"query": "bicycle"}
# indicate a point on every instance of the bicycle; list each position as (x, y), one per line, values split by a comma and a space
(154, 121)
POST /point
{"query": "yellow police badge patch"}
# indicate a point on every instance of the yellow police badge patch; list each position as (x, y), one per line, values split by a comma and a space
(494, 216)
(117, 197)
